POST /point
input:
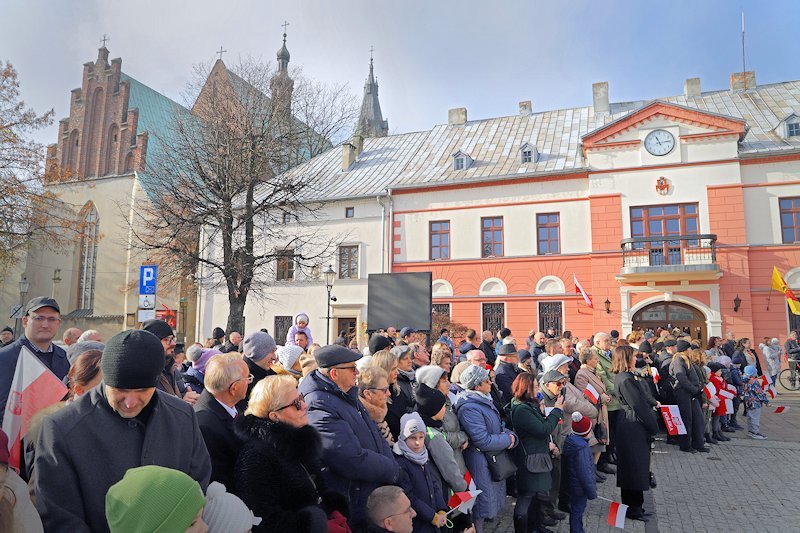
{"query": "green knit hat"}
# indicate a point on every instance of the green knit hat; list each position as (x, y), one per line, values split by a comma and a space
(153, 499)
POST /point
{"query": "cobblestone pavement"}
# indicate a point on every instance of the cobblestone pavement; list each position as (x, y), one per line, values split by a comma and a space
(694, 493)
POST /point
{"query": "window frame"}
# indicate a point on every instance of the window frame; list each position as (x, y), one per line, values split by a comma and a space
(435, 312)
(793, 126)
(287, 218)
(349, 212)
(353, 255)
(794, 211)
(87, 260)
(288, 270)
(492, 242)
(431, 246)
(459, 162)
(547, 225)
(681, 216)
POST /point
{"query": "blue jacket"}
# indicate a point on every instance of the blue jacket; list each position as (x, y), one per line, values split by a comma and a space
(424, 492)
(56, 361)
(504, 377)
(480, 420)
(356, 457)
(578, 464)
(194, 379)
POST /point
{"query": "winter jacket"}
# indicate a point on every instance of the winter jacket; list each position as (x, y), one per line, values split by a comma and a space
(685, 377)
(565, 427)
(398, 406)
(356, 457)
(194, 379)
(735, 379)
(296, 329)
(425, 495)
(171, 382)
(604, 371)
(407, 387)
(453, 434)
(585, 376)
(278, 475)
(480, 420)
(754, 397)
(533, 429)
(489, 351)
(504, 376)
(447, 472)
(719, 383)
(772, 355)
(465, 347)
(55, 360)
(86, 447)
(24, 517)
(216, 425)
(792, 348)
(637, 423)
(578, 464)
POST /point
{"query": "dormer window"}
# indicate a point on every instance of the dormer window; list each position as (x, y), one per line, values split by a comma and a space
(793, 129)
(461, 161)
(789, 126)
(528, 153)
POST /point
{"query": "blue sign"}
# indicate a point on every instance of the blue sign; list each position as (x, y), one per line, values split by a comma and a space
(147, 279)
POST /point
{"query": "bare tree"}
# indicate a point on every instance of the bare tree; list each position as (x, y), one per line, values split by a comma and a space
(222, 168)
(28, 210)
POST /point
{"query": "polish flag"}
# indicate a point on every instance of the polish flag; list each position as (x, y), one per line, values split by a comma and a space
(672, 419)
(464, 501)
(725, 393)
(33, 388)
(655, 374)
(765, 381)
(616, 515)
(591, 393)
(710, 390)
(782, 408)
(771, 392)
(579, 290)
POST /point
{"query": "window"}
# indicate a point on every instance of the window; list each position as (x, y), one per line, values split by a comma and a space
(349, 212)
(493, 317)
(440, 239)
(441, 310)
(550, 316)
(287, 218)
(459, 163)
(790, 219)
(88, 258)
(526, 155)
(492, 237)
(348, 262)
(793, 130)
(664, 220)
(548, 233)
(284, 265)
(282, 325)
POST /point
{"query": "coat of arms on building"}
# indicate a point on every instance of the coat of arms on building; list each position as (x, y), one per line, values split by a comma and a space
(662, 186)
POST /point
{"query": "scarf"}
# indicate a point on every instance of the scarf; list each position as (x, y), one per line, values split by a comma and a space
(430, 422)
(410, 374)
(401, 448)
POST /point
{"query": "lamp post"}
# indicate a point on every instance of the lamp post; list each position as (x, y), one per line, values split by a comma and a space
(330, 275)
(24, 286)
(183, 304)
(56, 281)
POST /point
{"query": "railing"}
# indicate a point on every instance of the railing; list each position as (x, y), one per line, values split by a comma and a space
(669, 251)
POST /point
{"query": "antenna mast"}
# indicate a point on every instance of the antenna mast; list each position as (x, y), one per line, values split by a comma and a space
(744, 69)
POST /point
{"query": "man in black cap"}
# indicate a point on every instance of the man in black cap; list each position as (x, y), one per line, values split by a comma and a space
(356, 456)
(124, 423)
(507, 370)
(405, 335)
(41, 322)
(170, 380)
(6, 336)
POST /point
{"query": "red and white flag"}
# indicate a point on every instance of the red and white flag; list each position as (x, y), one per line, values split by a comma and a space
(781, 408)
(770, 392)
(655, 374)
(766, 381)
(591, 393)
(725, 393)
(710, 390)
(579, 290)
(728, 406)
(33, 388)
(672, 419)
(616, 515)
(464, 501)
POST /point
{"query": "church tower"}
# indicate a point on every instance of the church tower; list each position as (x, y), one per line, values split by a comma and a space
(281, 84)
(370, 119)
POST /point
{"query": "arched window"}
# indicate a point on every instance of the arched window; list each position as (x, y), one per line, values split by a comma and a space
(88, 257)
(129, 162)
(111, 151)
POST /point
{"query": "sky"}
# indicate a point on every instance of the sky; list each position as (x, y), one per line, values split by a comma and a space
(430, 56)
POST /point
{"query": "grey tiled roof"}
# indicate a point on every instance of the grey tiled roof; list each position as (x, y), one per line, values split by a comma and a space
(425, 158)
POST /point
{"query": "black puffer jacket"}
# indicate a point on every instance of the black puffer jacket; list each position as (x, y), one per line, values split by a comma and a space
(277, 475)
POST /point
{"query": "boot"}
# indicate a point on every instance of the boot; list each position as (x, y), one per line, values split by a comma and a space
(710, 439)
(606, 468)
(721, 437)
(521, 524)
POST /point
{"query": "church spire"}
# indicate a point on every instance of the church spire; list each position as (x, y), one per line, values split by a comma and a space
(370, 119)
(283, 53)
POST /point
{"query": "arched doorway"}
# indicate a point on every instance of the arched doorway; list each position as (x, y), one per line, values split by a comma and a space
(672, 315)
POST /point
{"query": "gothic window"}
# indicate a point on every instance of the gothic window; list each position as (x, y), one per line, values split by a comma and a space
(88, 258)
(129, 162)
(71, 152)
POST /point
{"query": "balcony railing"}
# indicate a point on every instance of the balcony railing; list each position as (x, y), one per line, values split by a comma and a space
(670, 253)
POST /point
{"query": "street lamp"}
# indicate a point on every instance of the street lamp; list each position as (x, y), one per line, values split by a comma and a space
(56, 281)
(24, 286)
(330, 275)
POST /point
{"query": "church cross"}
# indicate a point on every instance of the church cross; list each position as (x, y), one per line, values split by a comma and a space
(105, 39)
(371, 49)
(220, 52)
(285, 23)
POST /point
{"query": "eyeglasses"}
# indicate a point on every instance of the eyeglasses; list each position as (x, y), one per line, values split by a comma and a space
(297, 404)
(248, 378)
(384, 389)
(170, 339)
(43, 319)
(560, 383)
(407, 511)
(353, 368)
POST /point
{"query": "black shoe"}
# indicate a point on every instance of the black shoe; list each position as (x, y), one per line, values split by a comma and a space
(736, 425)
(547, 520)
(606, 469)
(690, 450)
(598, 478)
(722, 437)
(728, 429)
(704, 449)
(640, 516)
(711, 440)
(558, 515)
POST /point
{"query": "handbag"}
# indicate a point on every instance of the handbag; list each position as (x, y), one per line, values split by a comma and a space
(536, 463)
(501, 467)
(600, 432)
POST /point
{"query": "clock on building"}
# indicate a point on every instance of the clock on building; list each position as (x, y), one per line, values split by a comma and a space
(659, 142)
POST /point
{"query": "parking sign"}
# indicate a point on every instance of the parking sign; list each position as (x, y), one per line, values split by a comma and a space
(147, 279)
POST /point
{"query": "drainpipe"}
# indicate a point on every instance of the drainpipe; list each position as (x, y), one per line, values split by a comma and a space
(198, 328)
(383, 234)
(131, 211)
(391, 228)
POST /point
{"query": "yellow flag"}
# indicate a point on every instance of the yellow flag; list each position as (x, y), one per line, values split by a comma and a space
(779, 285)
(777, 280)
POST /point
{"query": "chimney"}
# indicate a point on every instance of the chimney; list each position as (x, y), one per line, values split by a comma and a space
(691, 87)
(348, 156)
(525, 108)
(358, 142)
(743, 80)
(600, 97)
(457, 116)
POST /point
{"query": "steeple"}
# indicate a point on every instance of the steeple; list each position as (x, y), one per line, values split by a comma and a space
(283, 53)
(370, 119)
(281, 85)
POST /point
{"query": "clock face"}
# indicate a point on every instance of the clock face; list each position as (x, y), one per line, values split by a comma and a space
(659, 142)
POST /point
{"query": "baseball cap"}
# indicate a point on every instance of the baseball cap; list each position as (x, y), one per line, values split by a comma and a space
(41, 301)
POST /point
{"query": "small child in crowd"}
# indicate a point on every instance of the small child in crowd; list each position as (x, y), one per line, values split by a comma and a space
(300, 325)
(754, 398)
(717, 401)
(579, 469)
(423, 491)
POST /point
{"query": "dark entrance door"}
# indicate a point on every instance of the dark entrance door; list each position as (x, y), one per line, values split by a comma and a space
(347, 328)
(672, 315)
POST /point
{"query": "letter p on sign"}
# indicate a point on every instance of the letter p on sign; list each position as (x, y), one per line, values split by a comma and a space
(147, 279)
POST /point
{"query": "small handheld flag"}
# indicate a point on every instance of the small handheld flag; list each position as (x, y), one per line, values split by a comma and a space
(591, 393)
(672, 419)
(781, 408)
(616, 514)
(710, 390)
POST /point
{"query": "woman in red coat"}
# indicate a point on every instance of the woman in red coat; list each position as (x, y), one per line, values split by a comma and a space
(719, 383)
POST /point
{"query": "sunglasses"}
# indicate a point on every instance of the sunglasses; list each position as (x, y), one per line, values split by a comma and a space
(297, 404)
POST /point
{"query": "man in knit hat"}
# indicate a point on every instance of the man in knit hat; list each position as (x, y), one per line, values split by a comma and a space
(87, 446)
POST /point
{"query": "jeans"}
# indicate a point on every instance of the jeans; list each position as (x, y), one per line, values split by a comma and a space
(578, 506)
(754, 420)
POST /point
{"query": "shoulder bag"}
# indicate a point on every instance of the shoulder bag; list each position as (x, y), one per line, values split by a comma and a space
(536, 463)
(501, 467)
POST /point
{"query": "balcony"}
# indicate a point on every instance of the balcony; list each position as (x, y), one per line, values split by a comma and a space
(672, 258)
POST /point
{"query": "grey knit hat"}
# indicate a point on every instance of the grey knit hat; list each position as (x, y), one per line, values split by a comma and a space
(429, 375)
(226, 512)
(473, 376)
(257, 345)
(74, 350)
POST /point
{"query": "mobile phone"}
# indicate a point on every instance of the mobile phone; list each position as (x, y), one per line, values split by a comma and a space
(539, 396)
(563, 391)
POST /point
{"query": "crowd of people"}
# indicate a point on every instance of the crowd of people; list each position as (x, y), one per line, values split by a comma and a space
(242, 434)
